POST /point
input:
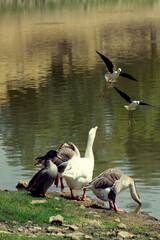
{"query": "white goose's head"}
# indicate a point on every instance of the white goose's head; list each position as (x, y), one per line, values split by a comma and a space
(92, 132)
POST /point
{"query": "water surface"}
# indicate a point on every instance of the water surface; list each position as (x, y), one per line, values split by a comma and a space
(51, 79)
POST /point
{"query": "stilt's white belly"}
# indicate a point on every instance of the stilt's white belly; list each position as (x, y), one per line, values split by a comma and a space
(109, 78)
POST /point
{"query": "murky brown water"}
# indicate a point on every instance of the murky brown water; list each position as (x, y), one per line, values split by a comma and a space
(51, 78)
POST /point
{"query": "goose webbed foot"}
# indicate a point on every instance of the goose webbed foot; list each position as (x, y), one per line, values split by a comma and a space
(44, 195)
(115, 208)
(84, 196)
(74, 197)
(86, 199)
(77, 198)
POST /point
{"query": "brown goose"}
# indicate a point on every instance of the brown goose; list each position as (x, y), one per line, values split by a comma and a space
(109, 184)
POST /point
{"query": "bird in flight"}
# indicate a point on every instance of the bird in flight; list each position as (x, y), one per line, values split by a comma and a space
(132, 106)
(113, 74)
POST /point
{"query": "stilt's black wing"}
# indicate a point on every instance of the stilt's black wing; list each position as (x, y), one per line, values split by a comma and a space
(143, 103)
(107, 62)
(126, 75)
(123, 95)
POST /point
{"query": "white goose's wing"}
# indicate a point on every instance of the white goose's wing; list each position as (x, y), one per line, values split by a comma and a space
(77, 167)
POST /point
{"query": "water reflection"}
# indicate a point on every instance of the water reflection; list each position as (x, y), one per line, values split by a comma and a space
(51, 78)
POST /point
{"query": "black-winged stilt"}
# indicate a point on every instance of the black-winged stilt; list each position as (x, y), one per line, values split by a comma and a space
(113, 75)
(132, 106)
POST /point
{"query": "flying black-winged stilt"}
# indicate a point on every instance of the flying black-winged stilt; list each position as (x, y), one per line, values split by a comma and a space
(132, 106)
(113, 75)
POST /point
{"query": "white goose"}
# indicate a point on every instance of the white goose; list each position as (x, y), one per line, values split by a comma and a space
(79, 171)
(109, 184)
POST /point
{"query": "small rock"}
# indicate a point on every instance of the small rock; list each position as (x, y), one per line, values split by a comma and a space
(66, 226)
(38, 201)
(56, 220)
(60, 234)
(14, 222)
(3, 226)
(22, 184)
(53, 234)
(123, 234)
(53, 229)
(6, 232)
(20, 229)
(117, 220)
(56, 198)
(87, 237)
(109, 234)
(122, 225)
(82, 207)
(29, 221)
(36, 229)
(75, 236)
(73, 228)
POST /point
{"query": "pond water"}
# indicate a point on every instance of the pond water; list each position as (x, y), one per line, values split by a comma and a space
(50, 82)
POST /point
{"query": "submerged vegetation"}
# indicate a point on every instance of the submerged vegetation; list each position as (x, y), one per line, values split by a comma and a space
(21, 219)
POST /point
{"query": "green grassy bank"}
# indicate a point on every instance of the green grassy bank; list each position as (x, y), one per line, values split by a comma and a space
(21, 219)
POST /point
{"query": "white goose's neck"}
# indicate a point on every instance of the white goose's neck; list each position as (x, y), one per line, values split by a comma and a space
(89, 148)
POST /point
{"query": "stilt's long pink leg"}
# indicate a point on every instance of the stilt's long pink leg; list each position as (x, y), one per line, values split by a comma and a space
(133, 119)
(103, 93)
(129, 118)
